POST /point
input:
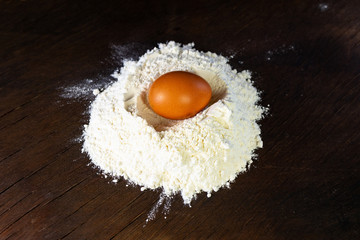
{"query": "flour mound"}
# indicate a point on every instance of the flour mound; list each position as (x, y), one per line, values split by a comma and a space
(125, 138)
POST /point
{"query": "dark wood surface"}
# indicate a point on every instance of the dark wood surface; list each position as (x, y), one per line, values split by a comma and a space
(305, 58)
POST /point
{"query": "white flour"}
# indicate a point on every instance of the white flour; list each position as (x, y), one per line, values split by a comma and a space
(126, 139)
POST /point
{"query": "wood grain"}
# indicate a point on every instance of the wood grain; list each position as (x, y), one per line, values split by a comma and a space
(305, 59)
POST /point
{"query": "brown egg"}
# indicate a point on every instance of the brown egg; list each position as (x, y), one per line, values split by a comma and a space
(179, 95)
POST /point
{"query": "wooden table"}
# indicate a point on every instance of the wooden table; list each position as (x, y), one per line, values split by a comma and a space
(305, 58)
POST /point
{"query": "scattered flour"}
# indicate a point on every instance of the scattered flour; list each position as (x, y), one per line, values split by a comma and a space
(125, 138)
(84, 90)
(283, 49)
(163, 200)
(81, 90)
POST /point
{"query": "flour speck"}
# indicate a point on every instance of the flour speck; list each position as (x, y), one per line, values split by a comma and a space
(323, 7)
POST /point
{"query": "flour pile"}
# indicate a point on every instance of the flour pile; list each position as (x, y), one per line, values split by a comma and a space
(125, 138)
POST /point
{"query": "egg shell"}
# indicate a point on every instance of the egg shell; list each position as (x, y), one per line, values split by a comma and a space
(179, 95)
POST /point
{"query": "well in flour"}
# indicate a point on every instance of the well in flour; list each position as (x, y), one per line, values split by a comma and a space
(126, 139)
